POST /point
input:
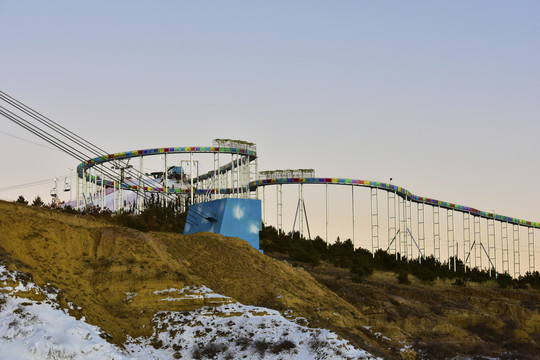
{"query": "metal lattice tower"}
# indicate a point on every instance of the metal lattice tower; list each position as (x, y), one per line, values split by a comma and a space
(436, 233)
(467, 239)
(353, 210)
(492, 252)
(421, 230)
(392, 221)
(477, 242)
(504, 247)
(409, 229)
(531, 249)
(516, 250)
(301, 209)
(402, 214)
(279, 195)
(450, 242)
(374, 220)
(327, 213)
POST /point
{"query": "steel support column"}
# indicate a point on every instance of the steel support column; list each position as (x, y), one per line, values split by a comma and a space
(77, 206)
(301, 209)
(140, 189)
(392, 224)
(492, 252)
(191, 190)
(517, 270)
(165, 181)
(504, 247)
(436, 233)
(374, 220)
(467, 240)
(450, 240)
(264, 204)
(353, 210)
(409, 229)
(421, 230)
(531, 249)
(403, 246)
(279, 195)
(477, 242)
(327, 220)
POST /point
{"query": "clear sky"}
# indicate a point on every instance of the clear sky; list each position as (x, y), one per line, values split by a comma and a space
(442, 96)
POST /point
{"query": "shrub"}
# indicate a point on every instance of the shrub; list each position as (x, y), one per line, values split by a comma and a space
(533, 279)
(424, 274)
(209, 351)
(69, 209)
(505, 280)
(284, 345)
(38, 202)
(261, 346)
(243, 343)
(21, 200)
(477, 275)
(403, 278)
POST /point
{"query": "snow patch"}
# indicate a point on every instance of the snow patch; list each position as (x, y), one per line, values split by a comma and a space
(39, 331)
(238, 331)
(42, 330)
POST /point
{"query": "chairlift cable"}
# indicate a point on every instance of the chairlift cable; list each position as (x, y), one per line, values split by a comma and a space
(51, 139)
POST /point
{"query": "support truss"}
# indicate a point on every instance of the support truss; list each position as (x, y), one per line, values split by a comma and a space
(374, 221)
(392, 221)
(504, 247)
(515, 231)
(531, 249)
(421, 230)
(450, 241)
(436, 233)
(467, 240)
(492, 252)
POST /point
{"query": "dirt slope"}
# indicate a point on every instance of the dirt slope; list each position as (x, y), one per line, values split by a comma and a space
(97, 266)
(442, 319)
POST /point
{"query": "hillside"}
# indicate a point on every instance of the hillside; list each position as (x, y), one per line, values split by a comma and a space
(442, 320)
(118, 278)
(133, 286)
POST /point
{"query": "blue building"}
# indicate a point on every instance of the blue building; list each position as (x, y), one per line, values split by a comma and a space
(230, 217)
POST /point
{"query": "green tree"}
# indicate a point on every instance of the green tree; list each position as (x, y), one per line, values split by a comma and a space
(21, 200)
(37, 201)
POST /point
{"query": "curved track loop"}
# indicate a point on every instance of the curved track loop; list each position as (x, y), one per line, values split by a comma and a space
(252, 155)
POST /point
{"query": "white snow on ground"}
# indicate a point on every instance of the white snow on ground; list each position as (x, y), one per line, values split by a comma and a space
(41, 330)
(38, 331)
(236, 331)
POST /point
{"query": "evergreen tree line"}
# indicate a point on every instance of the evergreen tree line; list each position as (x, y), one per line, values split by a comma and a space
(362, 263)
(154, 217)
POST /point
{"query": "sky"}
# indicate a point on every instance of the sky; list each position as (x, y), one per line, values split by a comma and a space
(440, 96)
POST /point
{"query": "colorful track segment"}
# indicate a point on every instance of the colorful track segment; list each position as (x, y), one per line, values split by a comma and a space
(252, 155)
(404, 193)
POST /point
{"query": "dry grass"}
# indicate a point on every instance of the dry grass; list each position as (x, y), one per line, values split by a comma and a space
(95, 264)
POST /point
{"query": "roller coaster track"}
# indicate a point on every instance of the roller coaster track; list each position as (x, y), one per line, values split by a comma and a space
(403, 193)
(250, 155)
